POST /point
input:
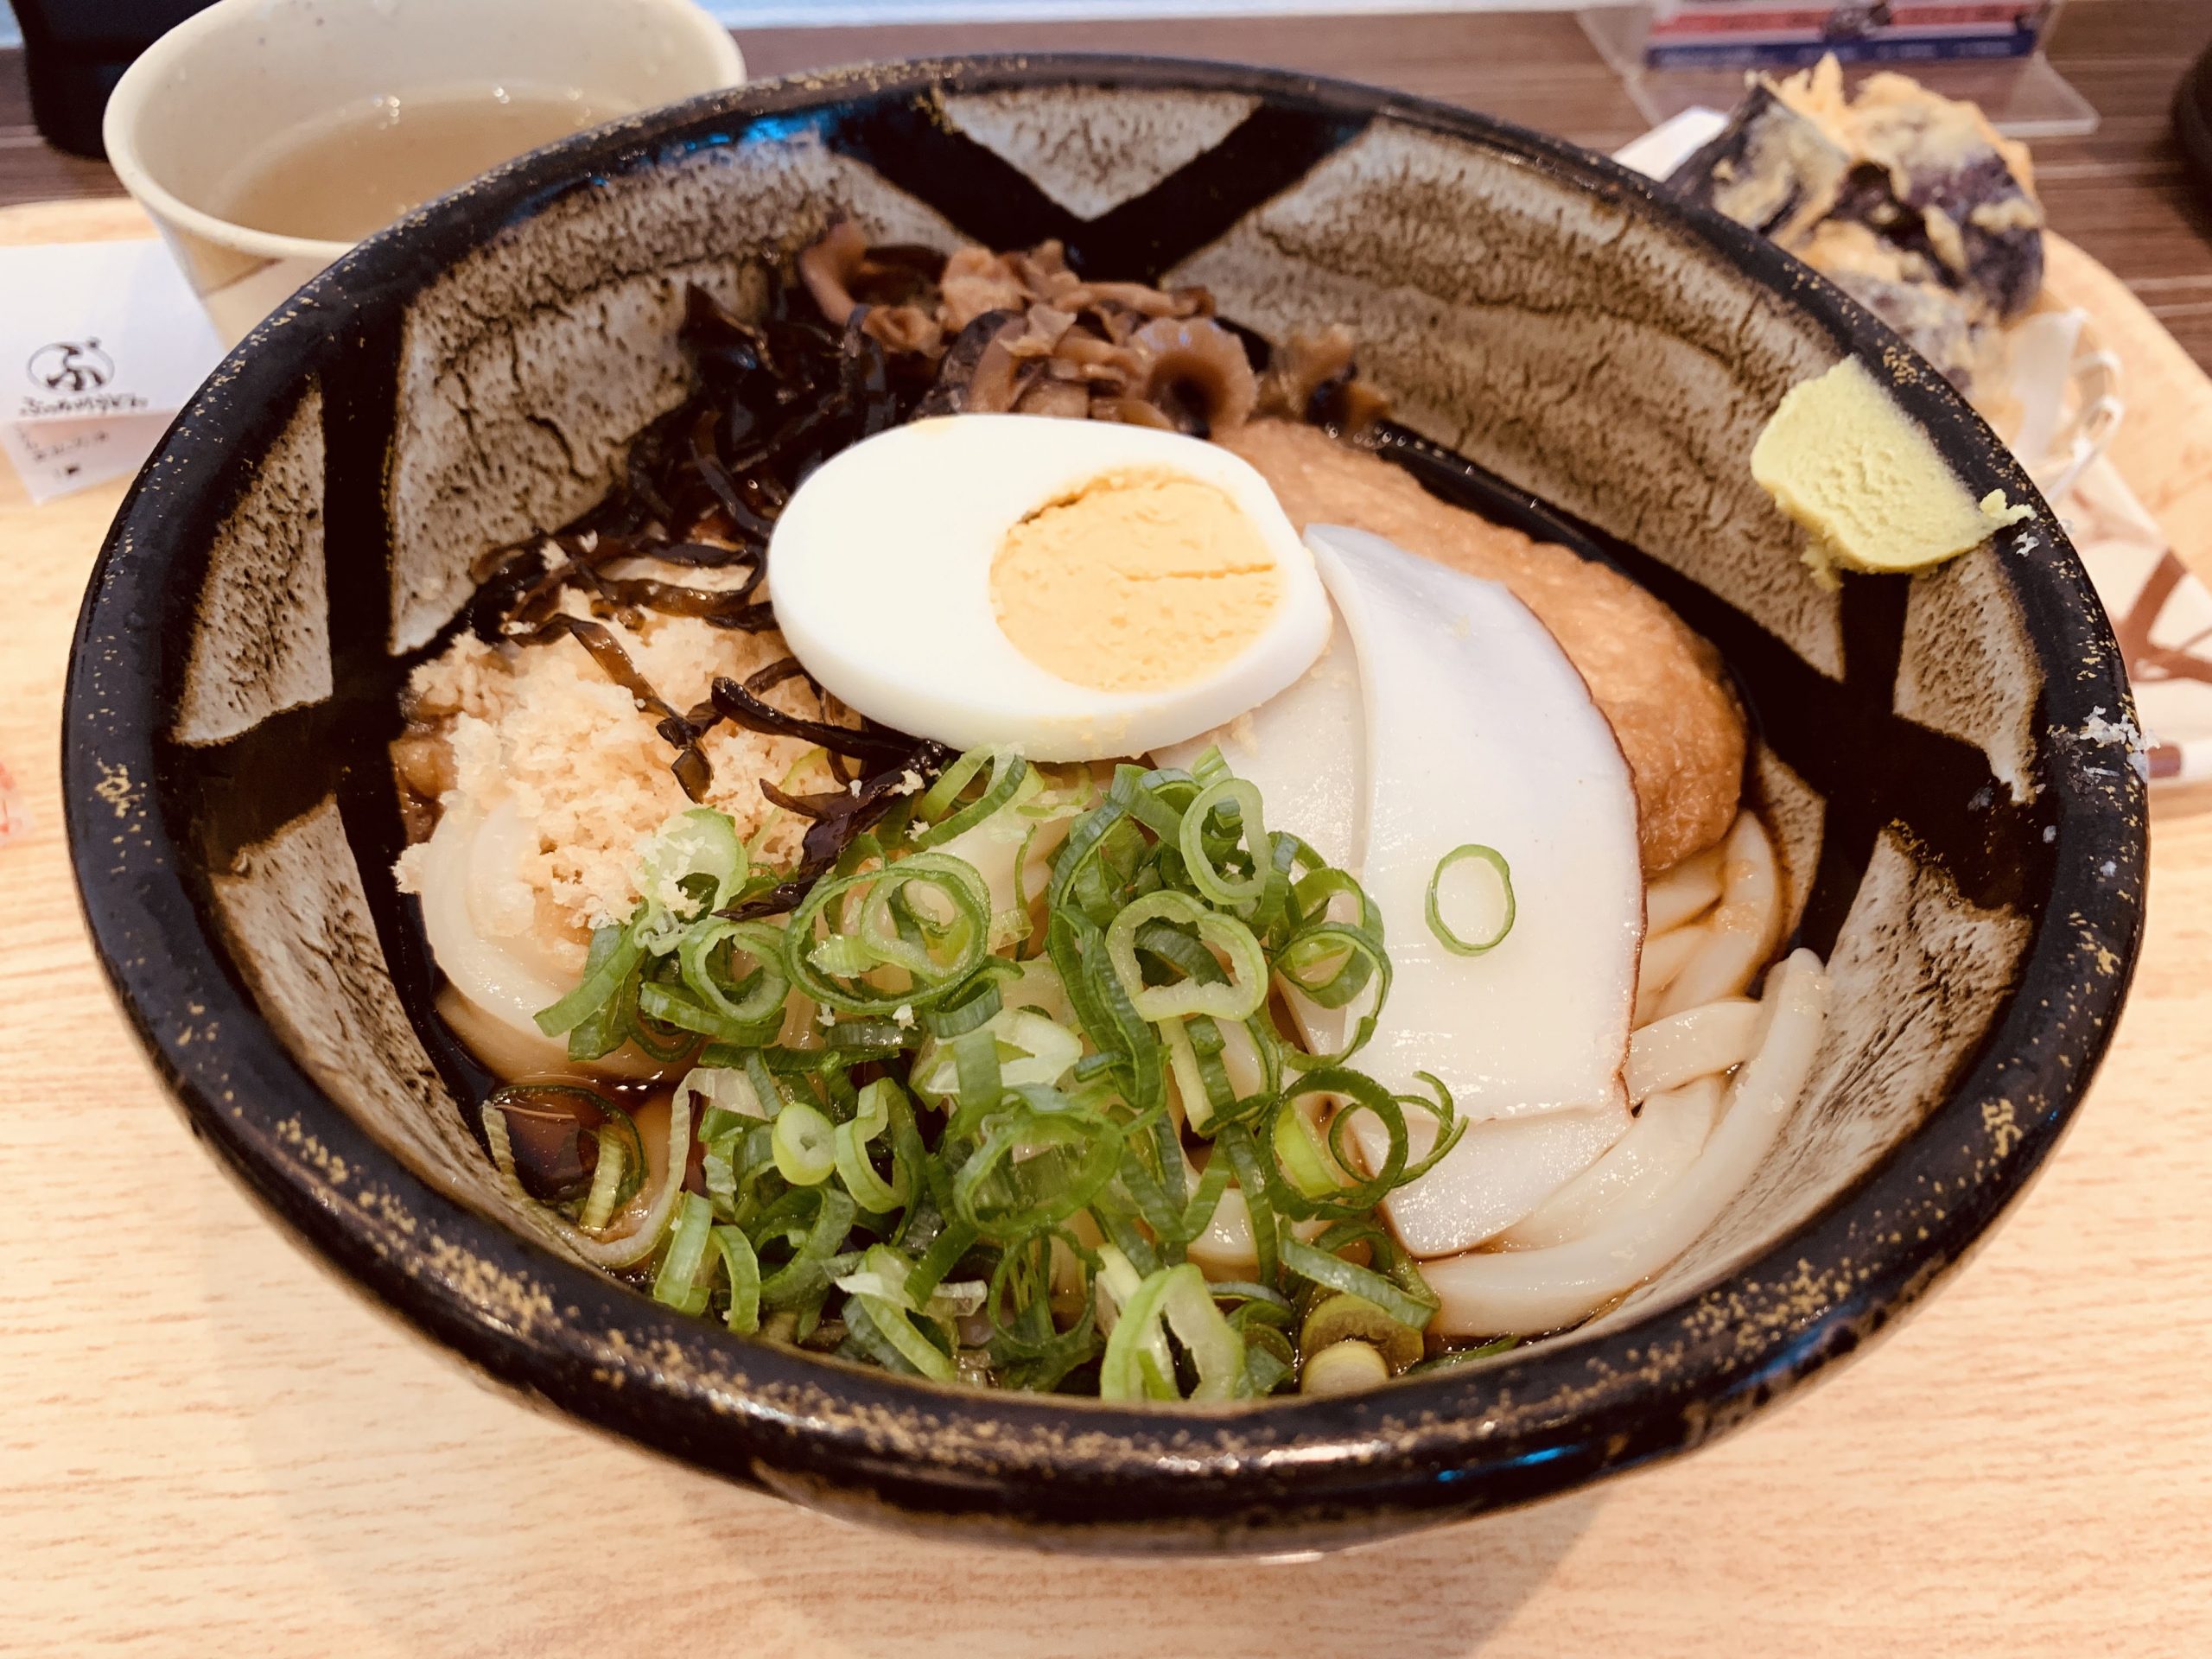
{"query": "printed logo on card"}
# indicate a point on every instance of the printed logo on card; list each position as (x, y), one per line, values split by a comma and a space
(71, 366)
(71, 373)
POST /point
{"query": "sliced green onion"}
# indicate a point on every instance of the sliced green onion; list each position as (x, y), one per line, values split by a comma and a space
(658, 1039)
(955, 1242)
(964, 1016)
(613, 1253)
(615, 952)
(1138, 1364)
(673, 1006)
(1010, 775)
(695, 858)
(743, 1268)
(1214, 883)
(1331, 1272)
(1022, 1047)
(1444, 936)
(725, 1088)
(805, 1277)
(1257, 1182)
(894, 1323)
(1268, 1360)
(1255, 1301)
(1118, 1279)
(756, 998)
(1344, 1367)
(1301, 1157)
(1246, 989)
(681, 1282)
(977, 1080)
(1078, 947)
(617, 1174)
(806, 1145)
(1334, 1318)
(1067, 1159)
(1455, 1357)
(935, 953)
(1162, 1216)
(1119, 1224)
(1198, 1207)
(875, 1196)
(1353, 1198)
(1449, 1126)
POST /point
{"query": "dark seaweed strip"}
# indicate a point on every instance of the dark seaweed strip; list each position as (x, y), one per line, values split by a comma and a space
(780, 900)
(717, 477)
(869, 743)
(839, 815)
(718, 607)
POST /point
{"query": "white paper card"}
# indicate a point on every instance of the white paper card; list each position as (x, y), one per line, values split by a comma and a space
(1668, 145)
(100, 344)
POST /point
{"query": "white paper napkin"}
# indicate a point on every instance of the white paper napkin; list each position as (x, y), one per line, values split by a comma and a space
(101, 343)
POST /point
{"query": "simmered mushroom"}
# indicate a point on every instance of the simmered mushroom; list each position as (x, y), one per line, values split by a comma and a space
(829, 267)
(1198, 374)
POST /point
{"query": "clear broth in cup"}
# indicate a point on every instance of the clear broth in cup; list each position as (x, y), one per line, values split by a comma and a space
(349, 174)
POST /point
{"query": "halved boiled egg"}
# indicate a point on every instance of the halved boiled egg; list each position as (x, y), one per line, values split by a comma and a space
(1074, 589)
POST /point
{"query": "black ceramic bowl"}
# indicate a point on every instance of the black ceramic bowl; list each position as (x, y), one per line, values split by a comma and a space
(1945, 760)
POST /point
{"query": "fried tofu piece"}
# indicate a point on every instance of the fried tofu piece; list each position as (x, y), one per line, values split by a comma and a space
(1661, 686)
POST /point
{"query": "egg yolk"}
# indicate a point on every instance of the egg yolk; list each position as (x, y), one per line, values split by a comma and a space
(1134, 582)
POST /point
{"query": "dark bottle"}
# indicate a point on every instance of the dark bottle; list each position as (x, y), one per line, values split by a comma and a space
(74, 51)
(2193, 125)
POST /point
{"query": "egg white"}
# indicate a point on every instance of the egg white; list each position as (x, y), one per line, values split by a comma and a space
(881, 573)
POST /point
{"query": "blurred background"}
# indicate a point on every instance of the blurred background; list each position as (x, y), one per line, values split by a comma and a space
(775, 13)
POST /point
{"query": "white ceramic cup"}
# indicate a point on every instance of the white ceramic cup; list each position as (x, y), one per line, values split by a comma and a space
(228, 81)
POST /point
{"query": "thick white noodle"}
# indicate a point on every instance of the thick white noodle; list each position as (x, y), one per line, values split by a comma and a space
(1503, 1168)
(1664, 957)
(1677, 897)
(1226, 1249)
(1696, 1043)
(478, 915)
(1527, 1293)
(1745, 926)
(484, 927)
(1664, 1141)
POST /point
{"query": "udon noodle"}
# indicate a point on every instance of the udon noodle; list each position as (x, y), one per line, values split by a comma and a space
(1695, 1068)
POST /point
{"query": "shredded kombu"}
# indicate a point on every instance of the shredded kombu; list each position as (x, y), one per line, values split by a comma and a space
(702, 488)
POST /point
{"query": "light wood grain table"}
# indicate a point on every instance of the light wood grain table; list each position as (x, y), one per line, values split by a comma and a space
(208, 1447)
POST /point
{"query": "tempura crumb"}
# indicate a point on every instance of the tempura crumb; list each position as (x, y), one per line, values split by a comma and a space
(582, 762)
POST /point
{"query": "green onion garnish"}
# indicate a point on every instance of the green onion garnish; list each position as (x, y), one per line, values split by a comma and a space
(805, 1145)
(1444, 936)
(941, 1129)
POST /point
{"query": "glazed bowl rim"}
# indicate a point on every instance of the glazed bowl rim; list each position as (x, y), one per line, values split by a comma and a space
(1506, 1430)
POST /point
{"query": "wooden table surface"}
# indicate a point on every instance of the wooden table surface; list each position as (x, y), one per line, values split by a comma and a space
(208, 1446)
